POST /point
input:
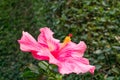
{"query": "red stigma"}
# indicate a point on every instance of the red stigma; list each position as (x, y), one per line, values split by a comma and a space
(70, 35)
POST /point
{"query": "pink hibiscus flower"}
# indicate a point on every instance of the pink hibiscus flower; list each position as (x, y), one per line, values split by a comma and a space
(68, 56)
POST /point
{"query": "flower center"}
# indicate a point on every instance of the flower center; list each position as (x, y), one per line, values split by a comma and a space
(67, 40)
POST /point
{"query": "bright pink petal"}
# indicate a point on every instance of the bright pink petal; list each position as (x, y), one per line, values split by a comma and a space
(80, 49)
(46, 38)
(28, 43)
(45, 54)
(75, 65)
(42, 54)
(39, 57)
(53, 60)
(73, 49)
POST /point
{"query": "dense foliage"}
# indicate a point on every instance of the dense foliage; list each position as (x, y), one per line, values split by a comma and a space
(94, 21)
(15, 16)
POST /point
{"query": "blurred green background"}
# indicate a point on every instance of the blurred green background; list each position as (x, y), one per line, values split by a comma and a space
(97, 22)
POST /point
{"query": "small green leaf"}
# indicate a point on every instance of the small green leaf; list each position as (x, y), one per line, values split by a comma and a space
(28, 74)
(44, 65)
(110, 78)
(116, 47)
(115, 70)
(33, 68)
(98, 51)
(98, 67)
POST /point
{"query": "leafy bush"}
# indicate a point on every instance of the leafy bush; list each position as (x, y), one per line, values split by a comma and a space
(15, 16)
(95, 22)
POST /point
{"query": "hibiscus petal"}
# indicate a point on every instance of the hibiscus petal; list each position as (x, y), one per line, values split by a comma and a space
(75, 65)
(45, 54)
(46, 38)
(83, 66)
(79, 49)
(41, 55)
(28, 43)
(73, 49)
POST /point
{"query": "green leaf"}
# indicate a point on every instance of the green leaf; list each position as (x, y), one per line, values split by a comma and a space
(118, 58)
(98, 66)
(116, 47)
(33, 68)
(28, 74)
(110, 78)
(98, 51)
(116, 70)
(44, 65)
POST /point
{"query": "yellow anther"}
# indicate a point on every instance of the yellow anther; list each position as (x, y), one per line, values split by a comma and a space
(66, 40)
